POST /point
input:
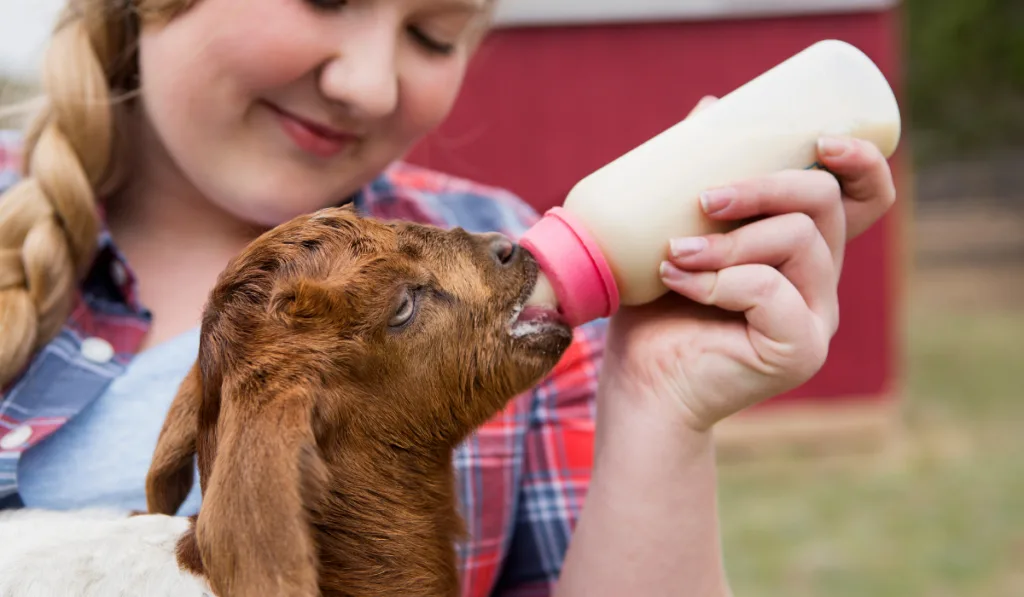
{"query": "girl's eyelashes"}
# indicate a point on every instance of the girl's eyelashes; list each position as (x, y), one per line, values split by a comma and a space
(327, 4)
(429, 43)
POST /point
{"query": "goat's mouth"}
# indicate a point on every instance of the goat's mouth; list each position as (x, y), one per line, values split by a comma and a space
(527, 321)
(533, 320)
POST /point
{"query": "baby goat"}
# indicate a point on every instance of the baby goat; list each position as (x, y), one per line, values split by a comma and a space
(341, 361)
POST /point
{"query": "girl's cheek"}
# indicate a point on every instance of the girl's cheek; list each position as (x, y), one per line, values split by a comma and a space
(256, 44)
(430, 93)
(265, 59)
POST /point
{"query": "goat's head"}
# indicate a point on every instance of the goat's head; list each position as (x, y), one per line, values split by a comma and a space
(328, 332)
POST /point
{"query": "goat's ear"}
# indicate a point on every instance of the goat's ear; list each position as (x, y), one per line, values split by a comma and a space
(348, 208)
(306, 299)
(253, 530)
(170, 475)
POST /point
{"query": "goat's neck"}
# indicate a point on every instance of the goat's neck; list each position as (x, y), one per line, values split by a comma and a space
(389, 526)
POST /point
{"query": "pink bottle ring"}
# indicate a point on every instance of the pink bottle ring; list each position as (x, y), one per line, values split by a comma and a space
(575, 265)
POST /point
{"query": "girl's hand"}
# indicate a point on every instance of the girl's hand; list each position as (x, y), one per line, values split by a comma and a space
(753, 311)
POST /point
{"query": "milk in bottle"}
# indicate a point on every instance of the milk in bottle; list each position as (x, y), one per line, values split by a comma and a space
(603, 247)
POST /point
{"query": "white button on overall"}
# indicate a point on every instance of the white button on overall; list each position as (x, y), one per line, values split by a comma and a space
(97, 350)
(118, 273)
(16, 437)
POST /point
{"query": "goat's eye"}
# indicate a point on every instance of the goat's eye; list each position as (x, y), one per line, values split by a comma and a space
(404, 311)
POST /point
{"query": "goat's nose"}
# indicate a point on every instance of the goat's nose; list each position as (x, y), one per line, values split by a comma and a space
(501, 247)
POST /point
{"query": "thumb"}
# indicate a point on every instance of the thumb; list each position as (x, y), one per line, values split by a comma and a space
(704, 102)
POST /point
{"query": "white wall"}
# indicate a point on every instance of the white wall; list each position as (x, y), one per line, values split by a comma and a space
(554, 12)
(24, 27)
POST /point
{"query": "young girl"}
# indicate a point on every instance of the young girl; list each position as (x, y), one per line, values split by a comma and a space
(175, 131)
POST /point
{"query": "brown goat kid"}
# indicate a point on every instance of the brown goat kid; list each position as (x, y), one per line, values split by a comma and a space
(341, 361)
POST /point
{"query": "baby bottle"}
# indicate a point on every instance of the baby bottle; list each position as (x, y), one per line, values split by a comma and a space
(603, 247)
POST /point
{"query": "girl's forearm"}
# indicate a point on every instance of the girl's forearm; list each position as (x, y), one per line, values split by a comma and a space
(650, 523)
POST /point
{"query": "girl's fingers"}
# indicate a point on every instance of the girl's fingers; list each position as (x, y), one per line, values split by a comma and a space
(787, 337)
(865, 177)
(815, 193)
(790, 243)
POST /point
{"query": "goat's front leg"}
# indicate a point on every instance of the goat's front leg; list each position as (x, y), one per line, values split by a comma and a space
(170, 474)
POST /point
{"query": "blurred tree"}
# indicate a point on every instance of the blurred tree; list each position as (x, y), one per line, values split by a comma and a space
(965, 71)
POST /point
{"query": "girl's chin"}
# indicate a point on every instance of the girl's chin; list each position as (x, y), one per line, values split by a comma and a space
(268, 203)
(268, 191)
(268, 215)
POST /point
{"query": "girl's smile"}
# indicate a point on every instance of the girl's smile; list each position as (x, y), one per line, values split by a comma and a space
(309, 135)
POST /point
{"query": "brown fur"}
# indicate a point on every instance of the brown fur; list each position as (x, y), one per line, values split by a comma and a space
(324, 437)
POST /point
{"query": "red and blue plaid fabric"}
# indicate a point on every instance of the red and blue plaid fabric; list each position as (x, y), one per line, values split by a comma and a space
(522, 476)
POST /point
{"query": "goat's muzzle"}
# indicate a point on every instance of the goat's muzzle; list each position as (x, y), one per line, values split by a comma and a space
(536, 327)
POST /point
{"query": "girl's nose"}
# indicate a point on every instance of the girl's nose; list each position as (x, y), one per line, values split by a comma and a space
(363, 76)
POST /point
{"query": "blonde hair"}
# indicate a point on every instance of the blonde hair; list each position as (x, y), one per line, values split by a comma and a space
(49, 220)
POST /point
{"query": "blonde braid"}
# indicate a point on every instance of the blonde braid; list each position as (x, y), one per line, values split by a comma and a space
(49, 221)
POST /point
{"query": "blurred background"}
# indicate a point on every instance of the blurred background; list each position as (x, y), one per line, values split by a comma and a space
(898, 471)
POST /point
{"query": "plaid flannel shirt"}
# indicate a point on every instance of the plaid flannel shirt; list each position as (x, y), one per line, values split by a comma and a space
(522, 477)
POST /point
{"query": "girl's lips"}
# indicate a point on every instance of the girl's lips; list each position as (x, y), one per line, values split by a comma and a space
(311, 137)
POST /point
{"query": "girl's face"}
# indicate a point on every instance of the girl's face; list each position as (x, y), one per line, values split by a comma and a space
(273, 108)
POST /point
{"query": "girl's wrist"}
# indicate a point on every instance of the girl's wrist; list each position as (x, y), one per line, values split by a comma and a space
(627, 396)
(630, 411)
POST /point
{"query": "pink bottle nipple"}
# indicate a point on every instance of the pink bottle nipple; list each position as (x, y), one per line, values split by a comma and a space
(574, 264)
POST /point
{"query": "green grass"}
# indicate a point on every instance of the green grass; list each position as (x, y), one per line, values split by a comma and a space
(944, 517)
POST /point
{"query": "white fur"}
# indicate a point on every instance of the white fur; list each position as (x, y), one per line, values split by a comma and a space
(93, 553)
(514, 318)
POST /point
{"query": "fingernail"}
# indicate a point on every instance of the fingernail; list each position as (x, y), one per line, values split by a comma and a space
(672, 273)
(715, 200)
(832, 147)
(685, 247)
